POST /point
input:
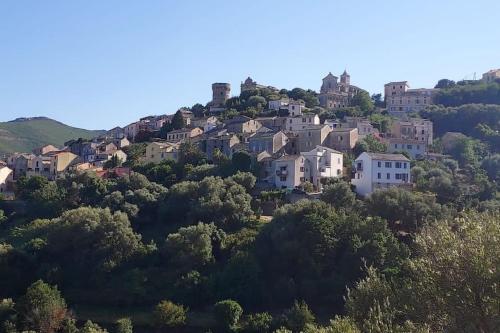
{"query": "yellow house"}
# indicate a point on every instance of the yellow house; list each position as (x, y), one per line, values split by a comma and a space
(157, 152)
(60, 162)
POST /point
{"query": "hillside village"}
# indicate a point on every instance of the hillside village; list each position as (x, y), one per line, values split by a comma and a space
(291, 143)
(273, 211)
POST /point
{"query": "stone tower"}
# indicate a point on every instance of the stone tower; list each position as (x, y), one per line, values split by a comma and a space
(220, 94)
(345, 79)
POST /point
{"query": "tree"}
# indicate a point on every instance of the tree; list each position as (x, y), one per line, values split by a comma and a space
(170, 315)
(491, 165)
(337, 325)
(194, 246)
(223, 202)
(189, 153)
(339, 195)
(363, 101)
(297, 248)
(298, 317)
(3, 218)
(91, 327)
(245, 179)
(114, 162)
(241, 161)
(176, 123)
(450, 284)
(258, 323)
(404, 209)
(42, 308)
(378, 101)
(257, 102)
(227, 314)
(91, 239)
(445, 84)
(198, 110)
(457, 273)
(369, 144)
(124, 325)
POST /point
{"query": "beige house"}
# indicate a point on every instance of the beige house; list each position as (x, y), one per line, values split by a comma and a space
(121, 142)
(157, 152)
(414, 148)
(343, 139)
(242, 124)
(184, 134)
(412, 129)
(45, 150)
(400, 99)
(491, 75)
(207, 123)
(300, 122)
(267, 141)
(311, 136)
(39, 166)
(60, 162)
(274, 123)
(223, 141)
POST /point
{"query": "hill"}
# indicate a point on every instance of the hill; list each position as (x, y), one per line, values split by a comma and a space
(25, 134)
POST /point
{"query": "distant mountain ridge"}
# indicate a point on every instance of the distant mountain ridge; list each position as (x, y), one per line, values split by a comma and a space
(27, 133)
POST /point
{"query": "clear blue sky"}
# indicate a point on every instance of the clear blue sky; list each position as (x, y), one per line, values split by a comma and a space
(101, 63)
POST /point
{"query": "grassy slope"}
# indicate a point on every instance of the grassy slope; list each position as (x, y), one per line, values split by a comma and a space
(24, 136)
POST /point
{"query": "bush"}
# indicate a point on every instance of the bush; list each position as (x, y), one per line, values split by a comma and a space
(227, 313)
(298, 316)
(168, 314)
(124, 325)
(258, 323)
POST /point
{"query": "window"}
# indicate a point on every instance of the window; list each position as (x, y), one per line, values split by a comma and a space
(379, 164)
(404, 165)
(303, 120)
(283, 178)
(398, 176)
(395, 145)
(379, 175)
(388, 164)
(388, 176)
(409, 147)
(301, 169)
(309, 134)
(339, 172)
(302, 179)
(398, 165)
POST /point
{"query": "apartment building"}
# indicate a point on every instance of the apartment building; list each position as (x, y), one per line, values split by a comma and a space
(401, 100)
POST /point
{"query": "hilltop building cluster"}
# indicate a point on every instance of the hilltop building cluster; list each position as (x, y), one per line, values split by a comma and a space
(291, 148)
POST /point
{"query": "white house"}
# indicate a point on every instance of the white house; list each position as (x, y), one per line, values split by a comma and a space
(278, 104)
(322, 162)
(312, 166)
(376, 171)
(6, 176)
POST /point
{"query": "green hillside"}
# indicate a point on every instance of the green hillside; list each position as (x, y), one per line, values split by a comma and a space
(25, 134)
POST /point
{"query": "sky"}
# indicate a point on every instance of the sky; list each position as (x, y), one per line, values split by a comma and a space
(98, 64)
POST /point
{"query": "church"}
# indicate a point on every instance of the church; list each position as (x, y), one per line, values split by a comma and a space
(335, 94)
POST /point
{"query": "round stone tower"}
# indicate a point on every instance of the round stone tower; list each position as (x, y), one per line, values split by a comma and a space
(220, 94)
